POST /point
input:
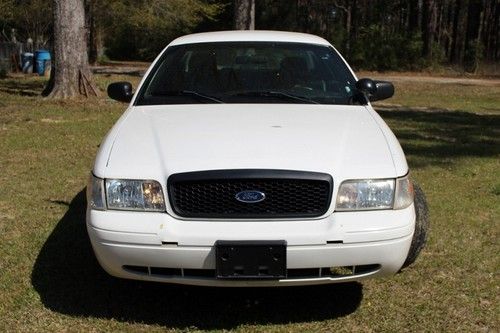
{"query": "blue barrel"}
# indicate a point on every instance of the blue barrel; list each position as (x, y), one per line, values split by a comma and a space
(42, 61)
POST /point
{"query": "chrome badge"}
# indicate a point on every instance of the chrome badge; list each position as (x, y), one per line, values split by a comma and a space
(250, 196)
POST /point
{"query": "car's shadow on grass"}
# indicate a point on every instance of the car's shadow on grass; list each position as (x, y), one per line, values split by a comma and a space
(70, 281)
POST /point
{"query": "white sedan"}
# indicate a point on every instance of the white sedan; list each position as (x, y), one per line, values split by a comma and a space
(252, 158)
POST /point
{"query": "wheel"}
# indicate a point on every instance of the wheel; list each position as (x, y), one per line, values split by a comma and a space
(421, 226)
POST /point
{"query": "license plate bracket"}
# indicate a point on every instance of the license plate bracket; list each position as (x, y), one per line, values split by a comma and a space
(250, 259)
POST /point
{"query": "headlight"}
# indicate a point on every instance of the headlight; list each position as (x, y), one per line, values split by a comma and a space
(123, 194)
(374, 194)
(134, 195)
(365, 195)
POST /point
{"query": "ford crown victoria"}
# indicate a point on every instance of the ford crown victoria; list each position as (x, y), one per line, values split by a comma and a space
(252, 158)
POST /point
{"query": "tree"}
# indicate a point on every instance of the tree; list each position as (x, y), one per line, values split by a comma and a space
(30, 19)
(244, 14)
(454, 57)
(71, 74)
(94, 42)
(34, 17)
(428, 27)
(6, 8)
(473, 31)
(413, 15)
(348, 10)
(140, 29)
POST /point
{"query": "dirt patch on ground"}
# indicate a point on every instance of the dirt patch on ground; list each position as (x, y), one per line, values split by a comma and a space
(418, 77)
(445, 80)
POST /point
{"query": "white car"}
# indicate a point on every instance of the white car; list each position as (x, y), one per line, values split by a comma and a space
(252, 158)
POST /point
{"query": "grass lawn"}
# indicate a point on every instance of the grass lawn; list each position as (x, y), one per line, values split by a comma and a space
(50, 281)
(477, 95)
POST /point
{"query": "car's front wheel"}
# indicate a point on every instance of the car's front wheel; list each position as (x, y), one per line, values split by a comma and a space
(421, 226)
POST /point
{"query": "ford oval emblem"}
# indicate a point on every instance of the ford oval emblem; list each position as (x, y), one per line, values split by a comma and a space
(250, 196)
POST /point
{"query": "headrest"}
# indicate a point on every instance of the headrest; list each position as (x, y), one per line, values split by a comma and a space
(294, 64)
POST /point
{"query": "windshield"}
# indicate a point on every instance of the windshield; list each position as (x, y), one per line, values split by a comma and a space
(248, 72)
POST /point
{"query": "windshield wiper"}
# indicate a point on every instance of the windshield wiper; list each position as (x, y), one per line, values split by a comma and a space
(187, 93)
(278, 94)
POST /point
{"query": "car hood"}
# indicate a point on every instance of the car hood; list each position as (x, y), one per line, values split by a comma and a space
(154, 142)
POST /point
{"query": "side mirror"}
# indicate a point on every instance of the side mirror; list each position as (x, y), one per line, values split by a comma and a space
(375, 90)
(367, 87)
(120, 91)
(385, 90)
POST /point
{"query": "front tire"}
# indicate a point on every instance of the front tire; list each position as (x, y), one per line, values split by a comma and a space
(421, 226)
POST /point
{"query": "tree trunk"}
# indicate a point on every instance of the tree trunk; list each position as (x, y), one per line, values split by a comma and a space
(355, 21)
(71, 76)
(428, 27)
(348, 11)
(454, 52)
(92, 32)
(490, 28)
(472, 42)
(496, 37)
(244, 14)
(348, 27)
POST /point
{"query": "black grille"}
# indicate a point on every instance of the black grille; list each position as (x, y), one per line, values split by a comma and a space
(212, 194)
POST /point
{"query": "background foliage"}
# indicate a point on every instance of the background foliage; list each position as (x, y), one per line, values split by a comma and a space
(372, 34)
(140, 29)
(395, 34)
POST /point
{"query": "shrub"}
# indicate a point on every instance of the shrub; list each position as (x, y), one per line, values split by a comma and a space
(377, 49)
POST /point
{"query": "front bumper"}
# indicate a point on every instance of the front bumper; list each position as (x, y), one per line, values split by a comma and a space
(158, 247)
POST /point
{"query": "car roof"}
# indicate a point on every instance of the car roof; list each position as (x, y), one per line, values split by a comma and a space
(250, 36)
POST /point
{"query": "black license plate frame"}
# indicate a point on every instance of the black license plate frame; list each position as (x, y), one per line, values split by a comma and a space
(250, 260)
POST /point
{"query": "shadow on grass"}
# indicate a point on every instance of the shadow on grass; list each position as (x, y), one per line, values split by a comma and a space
(119, 71)
(14, 86)
(438, 137)
(70, 281)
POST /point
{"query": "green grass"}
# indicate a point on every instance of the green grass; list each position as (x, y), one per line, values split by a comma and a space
(50, 281)
(472, 98)
(483, 99)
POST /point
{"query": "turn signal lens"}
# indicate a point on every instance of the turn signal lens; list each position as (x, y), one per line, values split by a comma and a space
(404, 193)
(95, 193)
